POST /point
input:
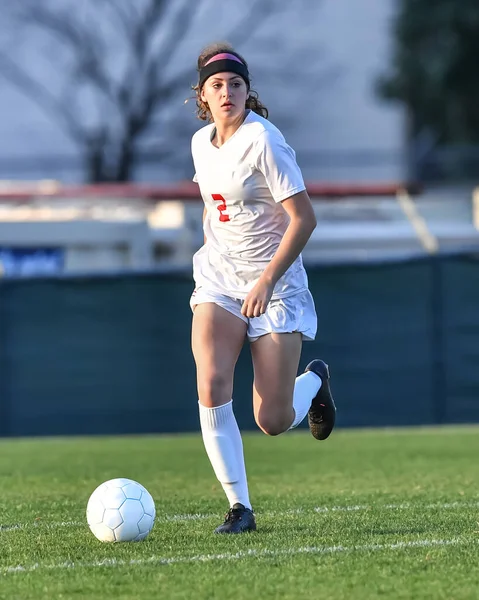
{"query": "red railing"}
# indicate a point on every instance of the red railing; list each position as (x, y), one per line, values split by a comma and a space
(183, 191)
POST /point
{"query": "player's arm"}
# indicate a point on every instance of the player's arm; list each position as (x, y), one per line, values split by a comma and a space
(277, 162)
(301, 226)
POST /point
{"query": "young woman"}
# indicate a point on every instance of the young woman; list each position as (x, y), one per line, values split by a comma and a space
(249, 276)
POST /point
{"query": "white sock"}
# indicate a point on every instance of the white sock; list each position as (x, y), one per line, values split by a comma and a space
(305, 389)
(223, 444)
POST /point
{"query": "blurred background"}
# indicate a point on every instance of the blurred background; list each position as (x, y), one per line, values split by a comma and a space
(99, 218)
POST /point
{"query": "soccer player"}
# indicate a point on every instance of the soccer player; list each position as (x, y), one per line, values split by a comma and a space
(249, 277)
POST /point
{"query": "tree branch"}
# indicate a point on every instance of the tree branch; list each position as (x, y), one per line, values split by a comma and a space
(139, 69)
(126, 17)
(61, 26)
(178, 29)
(42, 95)
(251, 20)
(152, 16)
(86, 47)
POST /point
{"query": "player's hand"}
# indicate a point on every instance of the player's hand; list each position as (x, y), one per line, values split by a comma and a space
(257, 300)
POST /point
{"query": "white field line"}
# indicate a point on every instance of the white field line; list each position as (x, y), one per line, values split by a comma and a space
(291, 511)
(252, 553)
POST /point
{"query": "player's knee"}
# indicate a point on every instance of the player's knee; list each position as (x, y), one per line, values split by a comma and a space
(214, 390)
(272, 424)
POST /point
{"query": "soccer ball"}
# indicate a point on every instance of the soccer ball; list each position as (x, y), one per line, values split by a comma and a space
(120, 510)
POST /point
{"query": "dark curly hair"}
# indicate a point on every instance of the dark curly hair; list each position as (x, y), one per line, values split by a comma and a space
(252, 101)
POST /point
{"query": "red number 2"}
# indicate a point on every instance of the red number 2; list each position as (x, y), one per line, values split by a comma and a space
(221, 207)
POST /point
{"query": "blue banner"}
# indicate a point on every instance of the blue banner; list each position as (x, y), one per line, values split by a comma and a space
(27, 262)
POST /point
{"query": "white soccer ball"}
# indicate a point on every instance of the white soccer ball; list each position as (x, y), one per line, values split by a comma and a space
(120, 510)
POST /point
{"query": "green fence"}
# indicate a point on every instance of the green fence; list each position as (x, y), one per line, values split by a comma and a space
(112, 354)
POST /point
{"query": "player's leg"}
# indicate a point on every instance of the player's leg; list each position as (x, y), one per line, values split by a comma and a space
(217, 339)
(282, 400)
(278, 401)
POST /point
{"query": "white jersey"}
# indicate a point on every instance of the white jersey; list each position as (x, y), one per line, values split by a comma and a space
(242, 184)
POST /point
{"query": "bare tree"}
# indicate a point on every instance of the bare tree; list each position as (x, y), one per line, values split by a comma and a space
(114, 58)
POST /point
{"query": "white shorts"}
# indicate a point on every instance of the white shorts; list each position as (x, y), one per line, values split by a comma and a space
(283, 315)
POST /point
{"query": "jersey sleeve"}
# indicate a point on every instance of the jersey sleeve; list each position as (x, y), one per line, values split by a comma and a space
(193, 146)
(277, 162)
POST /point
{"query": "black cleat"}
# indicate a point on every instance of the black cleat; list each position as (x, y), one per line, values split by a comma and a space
(238, 520)
(322, 414)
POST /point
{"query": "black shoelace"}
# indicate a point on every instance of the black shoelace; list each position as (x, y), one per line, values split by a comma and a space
(234, 514)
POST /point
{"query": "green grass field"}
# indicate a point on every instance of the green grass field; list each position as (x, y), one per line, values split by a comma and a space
(366, 514)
